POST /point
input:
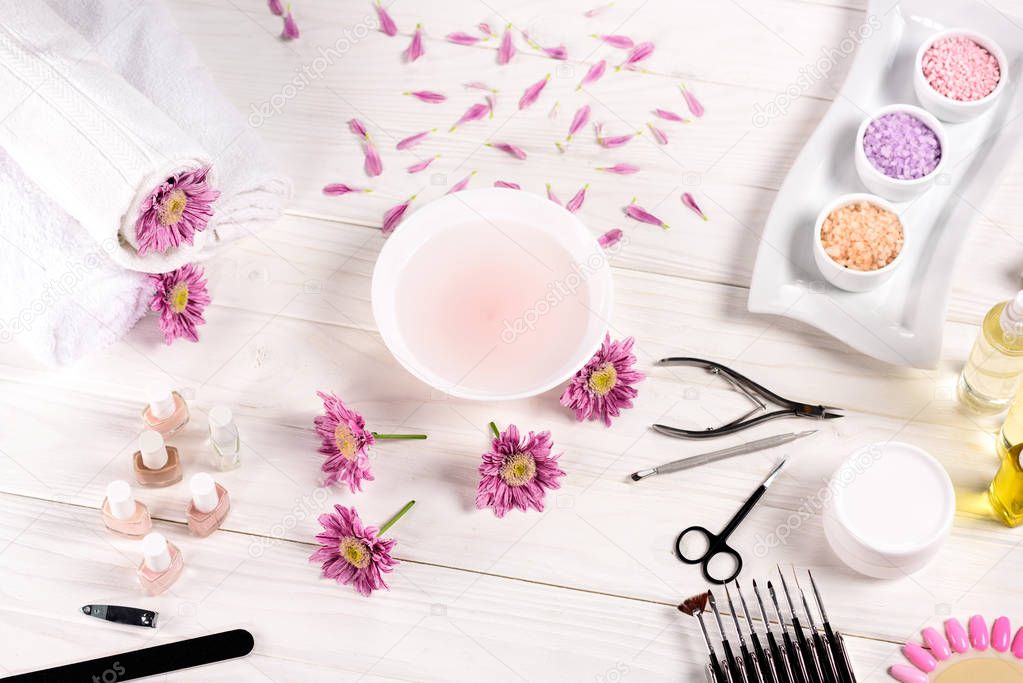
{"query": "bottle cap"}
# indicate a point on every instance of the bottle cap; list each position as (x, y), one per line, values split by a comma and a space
(155, 552)
(204, 492)
(1012, 315)
(223, 430)
(161, 402)
(120, 502)
(154, 452)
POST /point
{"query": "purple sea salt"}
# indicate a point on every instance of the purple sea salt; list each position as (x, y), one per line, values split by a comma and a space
(901, 146)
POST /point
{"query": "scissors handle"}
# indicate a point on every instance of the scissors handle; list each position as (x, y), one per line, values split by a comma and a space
(716, 545)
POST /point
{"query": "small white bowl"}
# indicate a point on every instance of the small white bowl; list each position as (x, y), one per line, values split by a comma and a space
(890, 510)
(896, 189)
(945, 108)
(846, 278)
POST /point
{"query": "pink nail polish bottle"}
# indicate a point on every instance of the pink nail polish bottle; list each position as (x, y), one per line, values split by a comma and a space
(155, 463)
(166, 413)
(161, 564)
(209, 506)
(122, 513)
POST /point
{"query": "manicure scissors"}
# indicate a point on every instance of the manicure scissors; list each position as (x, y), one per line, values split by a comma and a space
(717, 544)
(754, 392)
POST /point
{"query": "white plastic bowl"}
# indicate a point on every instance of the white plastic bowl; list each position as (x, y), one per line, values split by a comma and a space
(896, 189)
(846, 278)
(489, 208)
(945, 108)
(891, 509)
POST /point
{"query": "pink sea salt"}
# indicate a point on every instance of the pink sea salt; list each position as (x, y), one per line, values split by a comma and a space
(901, 146)
(961, 69)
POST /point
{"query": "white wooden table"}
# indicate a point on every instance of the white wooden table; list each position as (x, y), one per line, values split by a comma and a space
(587, 590)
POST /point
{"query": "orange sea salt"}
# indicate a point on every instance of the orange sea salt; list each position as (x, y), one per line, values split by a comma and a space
(862, 236)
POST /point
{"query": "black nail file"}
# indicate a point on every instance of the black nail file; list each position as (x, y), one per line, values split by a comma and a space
(133, 616)
(150, 661)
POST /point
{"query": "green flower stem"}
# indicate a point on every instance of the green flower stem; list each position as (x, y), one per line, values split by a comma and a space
(401, 513)
(398, 436)
(495, 430)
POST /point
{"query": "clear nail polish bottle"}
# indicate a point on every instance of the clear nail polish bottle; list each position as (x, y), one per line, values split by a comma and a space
(224, 439)
(166, 412)
(122, 513)
(155, 463)
(209, 505)
(161, 564)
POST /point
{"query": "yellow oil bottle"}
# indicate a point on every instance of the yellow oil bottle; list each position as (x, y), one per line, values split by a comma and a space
(992, 373)
(1006, 491)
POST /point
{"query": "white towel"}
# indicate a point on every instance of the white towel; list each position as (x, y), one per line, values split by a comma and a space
(140, 40)
(84, 135)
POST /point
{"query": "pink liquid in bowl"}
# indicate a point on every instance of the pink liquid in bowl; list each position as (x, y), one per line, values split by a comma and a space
(493, 306)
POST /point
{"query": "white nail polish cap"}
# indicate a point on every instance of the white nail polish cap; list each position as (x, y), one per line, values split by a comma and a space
(154, 452)
(204, 492)
(161, 402)
(223, 431)
(155, 552)
(120, 502)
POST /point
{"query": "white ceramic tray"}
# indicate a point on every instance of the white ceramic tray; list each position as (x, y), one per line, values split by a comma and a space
(901, 322)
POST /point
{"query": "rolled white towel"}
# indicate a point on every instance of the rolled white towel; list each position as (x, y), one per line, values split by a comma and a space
(85, 136)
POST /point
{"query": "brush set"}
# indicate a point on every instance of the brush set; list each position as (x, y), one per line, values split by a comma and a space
(794, 652)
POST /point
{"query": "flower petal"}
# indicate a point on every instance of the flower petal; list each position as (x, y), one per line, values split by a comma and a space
(413, 140)
(290, 31)
(581, 118)
(374, 165)
(597, 11)
(610, 142)
(506, 184)
(415, 49)
(478, 85)
(559, 52)
(638, 213)
(507, 49)
(620, 169)
(610, 238)
(695, 108)
(338, 189)
(551, 196)
(637, 54)
(688, 200)
(658, 134)
(532, 93)
(553, 113)
(516, 152)
(422, 165)
(460, 38)
(427, 96)
(620, 42)
(473, 113)
(394, 215)
(593, 75)
(485, 29)
(669, 116)
(358, 128)
(576, 202)
(276, 7)
(461, 184)
(387, 24)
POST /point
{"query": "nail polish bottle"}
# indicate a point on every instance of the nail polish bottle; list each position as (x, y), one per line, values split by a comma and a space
(224, 439)
(156, 464)
(161, 564)
(209, 505)
(166, 413)
(122, 513)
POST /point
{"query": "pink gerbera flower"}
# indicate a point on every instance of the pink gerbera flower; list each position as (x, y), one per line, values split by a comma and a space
(516, 472)
(353, 554)
(604, 386)
(172, 213)
(180, 297)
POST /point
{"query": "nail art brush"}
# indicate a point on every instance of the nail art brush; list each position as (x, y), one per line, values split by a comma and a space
(813, 668)
(766, 666)
(752, 670)
(798, 668)
(733, 665)
(782, 666)
(835, 639)
(695, 607)
(828, 671)
(714, 456)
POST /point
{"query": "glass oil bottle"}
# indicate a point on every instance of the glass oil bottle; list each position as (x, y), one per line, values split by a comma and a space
(1006, 492)
(992, 373)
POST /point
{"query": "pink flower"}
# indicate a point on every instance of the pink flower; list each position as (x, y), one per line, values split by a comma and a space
(387, 24)
(516, 472)
(373, 165)
(551, 196)
(415, 49)
(620, 169)
(695, 108)
(637, 55)
(610, 238)
(422, 165)
(516, 152)
(461, 184)
(473, 113)
(658, 134)
(507, 49)
(638, 213)
(358, 128)
(427, 96)
(669, 116)
(175, 211)
(413, 140)
(532, 93)
(688, 200)
(394, 215)
(593, 75)
(344, 440)
(290, 31)
(581, 118)
(506, 184)
(620, 42)
(275, 7)
(576, 202)
(604, 386)
(337, 189)
(353, 554)
(180, 297)
(460, 38)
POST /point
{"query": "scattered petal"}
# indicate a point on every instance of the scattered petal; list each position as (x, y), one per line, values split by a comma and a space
(620, 42)
(620, 169)
(532, 93)
(551, 196)
(427, 96)
(581, 118)
(593, 75)
(506, 184)
(460, 38)
(669, 116)
(415, 49)
(610, 238)
(658, 134)
(612, 141)
(485, 29)
(576, 202)
(276, 7)
(461, 184)
(516, 152)
(605, 384)
(338, 189)
(637, 55)
(597, 11)
(357, 127)
(374, 165)
(688, 200)
(477, 85)
(422, 165)
(491, 105)
(559, 52)
(638, 213)
(473, 113)
(560, 147)
(413, 140)
(695, 108)
(394, 215)
(553, 113)
(507, 49)
(290, 31)
(387, 24)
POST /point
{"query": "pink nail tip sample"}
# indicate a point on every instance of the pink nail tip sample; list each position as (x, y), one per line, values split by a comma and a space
(907, 674)
(937, 644)
(979, 636)
(1001, 632)
(1017, 644)
(956, 635)
(919, 657)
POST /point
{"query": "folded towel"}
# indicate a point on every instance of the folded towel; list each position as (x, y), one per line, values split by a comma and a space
(85, 136)
(141, 41)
